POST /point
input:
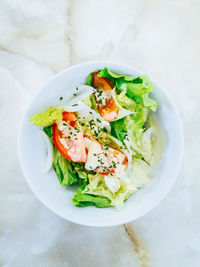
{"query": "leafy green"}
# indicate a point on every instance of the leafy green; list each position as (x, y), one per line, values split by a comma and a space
(119, 129)
(138, 92)
(89, 79)
(49, 131)
(48, 117)
(64, 169)
(132, 88)
(97, 186)
(136, 88)
(130, 128)
(149, 102)
(110, 75)
(80, 170)
(126, 102)
(93, 103)
(132, 123)
(82, 199)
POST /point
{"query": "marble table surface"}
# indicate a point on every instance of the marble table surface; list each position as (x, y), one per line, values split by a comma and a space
(40, 38)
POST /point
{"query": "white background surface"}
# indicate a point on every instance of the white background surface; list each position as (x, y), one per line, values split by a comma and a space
(39, 38)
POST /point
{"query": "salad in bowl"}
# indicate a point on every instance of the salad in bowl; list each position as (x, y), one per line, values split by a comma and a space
(103, 138)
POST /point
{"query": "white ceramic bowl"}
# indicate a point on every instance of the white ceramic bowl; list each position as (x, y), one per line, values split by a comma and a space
(46, 187)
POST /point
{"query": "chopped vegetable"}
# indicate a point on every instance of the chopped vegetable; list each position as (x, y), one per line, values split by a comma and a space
(64, 169)
(83, 200)
(48, 117)
(105, 102)
(68, 138)
(101, 83)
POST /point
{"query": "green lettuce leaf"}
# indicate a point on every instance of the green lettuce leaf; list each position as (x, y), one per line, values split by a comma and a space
(64, 169)
(149, 102)
(119, 129)
(80, 170)
(136, 88)
(49, 131)
(133, 124)
(98, 187)
(125, 102)
(130, 130)
(82, 199)
(48, 117)
(89, 79)
(110, 75)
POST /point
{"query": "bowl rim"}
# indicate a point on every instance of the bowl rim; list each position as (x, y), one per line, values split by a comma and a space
(179, 124)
